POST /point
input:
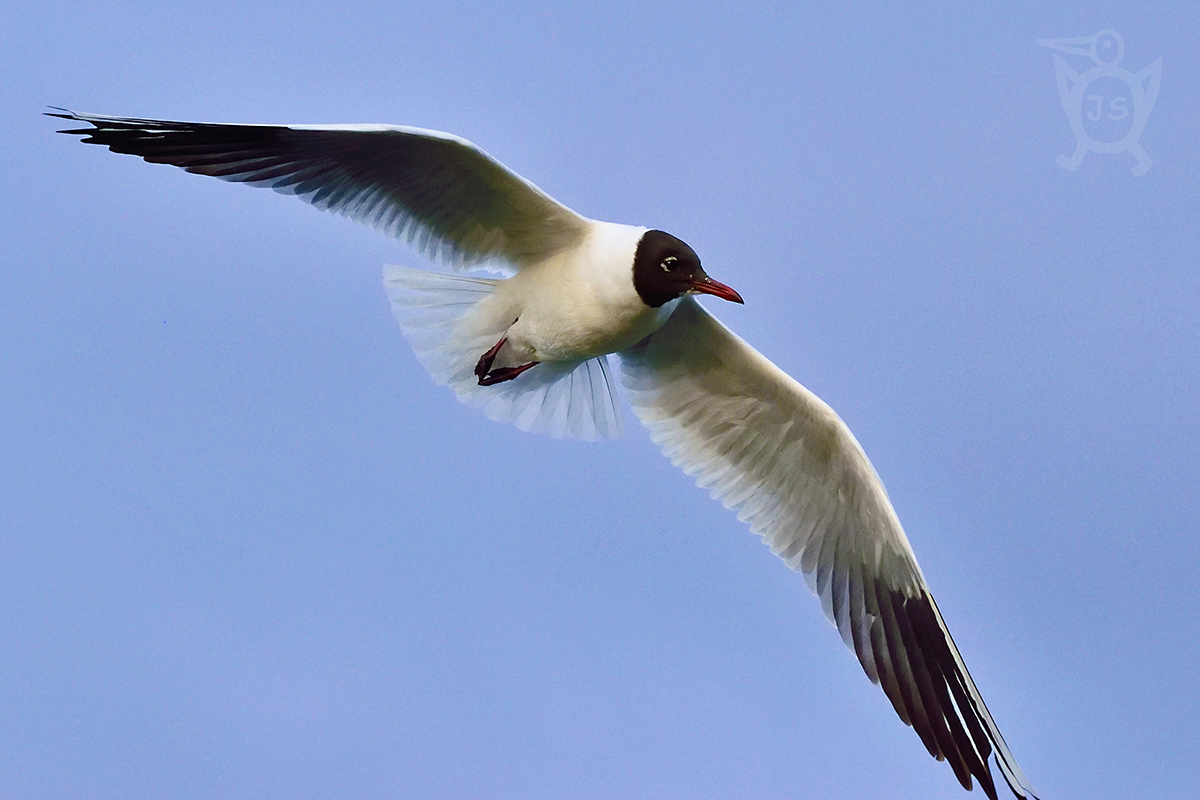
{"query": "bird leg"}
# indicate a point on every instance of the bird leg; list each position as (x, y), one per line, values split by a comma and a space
(488, 376)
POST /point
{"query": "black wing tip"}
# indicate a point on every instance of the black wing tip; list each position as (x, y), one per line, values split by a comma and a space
(923, 641)
(65, 113)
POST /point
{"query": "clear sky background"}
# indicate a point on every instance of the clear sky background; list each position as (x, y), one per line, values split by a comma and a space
(249, 550)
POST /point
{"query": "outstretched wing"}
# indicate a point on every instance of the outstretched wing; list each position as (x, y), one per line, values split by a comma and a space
(443, 194)
(766, 446)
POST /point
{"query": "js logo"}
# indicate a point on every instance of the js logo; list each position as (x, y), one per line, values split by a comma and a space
(1107, 106)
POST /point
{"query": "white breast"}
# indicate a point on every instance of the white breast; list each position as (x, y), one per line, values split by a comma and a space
(580, 303)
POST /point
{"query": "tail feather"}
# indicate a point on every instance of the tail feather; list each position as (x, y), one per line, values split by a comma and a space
(451, 320)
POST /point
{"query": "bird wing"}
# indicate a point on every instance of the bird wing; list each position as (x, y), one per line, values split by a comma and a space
(443, 194)
(763, 444)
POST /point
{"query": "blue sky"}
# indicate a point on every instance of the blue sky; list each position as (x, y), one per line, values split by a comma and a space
(249, 550)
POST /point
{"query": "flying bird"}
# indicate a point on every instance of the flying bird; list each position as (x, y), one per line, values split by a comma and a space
(533, 349)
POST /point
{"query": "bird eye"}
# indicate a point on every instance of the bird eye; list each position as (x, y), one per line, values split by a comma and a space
(668, 263)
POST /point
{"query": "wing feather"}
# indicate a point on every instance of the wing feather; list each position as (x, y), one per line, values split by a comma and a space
(766, 446)
(447, 197)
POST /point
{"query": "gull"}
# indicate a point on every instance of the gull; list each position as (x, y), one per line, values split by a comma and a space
(532, 349)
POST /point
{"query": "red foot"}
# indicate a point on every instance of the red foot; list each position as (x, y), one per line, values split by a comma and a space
(485, 361)
(488, 376)
(504, 374)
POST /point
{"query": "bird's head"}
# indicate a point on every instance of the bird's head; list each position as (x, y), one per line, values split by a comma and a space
(665, 269)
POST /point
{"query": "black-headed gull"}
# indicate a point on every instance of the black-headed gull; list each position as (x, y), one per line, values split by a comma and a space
(532, 349)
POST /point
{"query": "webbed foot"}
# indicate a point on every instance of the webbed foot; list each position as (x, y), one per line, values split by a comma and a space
(488, 376)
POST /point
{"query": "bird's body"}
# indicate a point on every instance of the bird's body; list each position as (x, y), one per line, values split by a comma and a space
(532, 349)
(580, 304)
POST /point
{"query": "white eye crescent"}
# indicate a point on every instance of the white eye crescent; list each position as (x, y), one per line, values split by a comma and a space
(668, 263)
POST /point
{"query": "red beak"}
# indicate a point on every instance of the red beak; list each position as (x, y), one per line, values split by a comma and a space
(707, 285)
